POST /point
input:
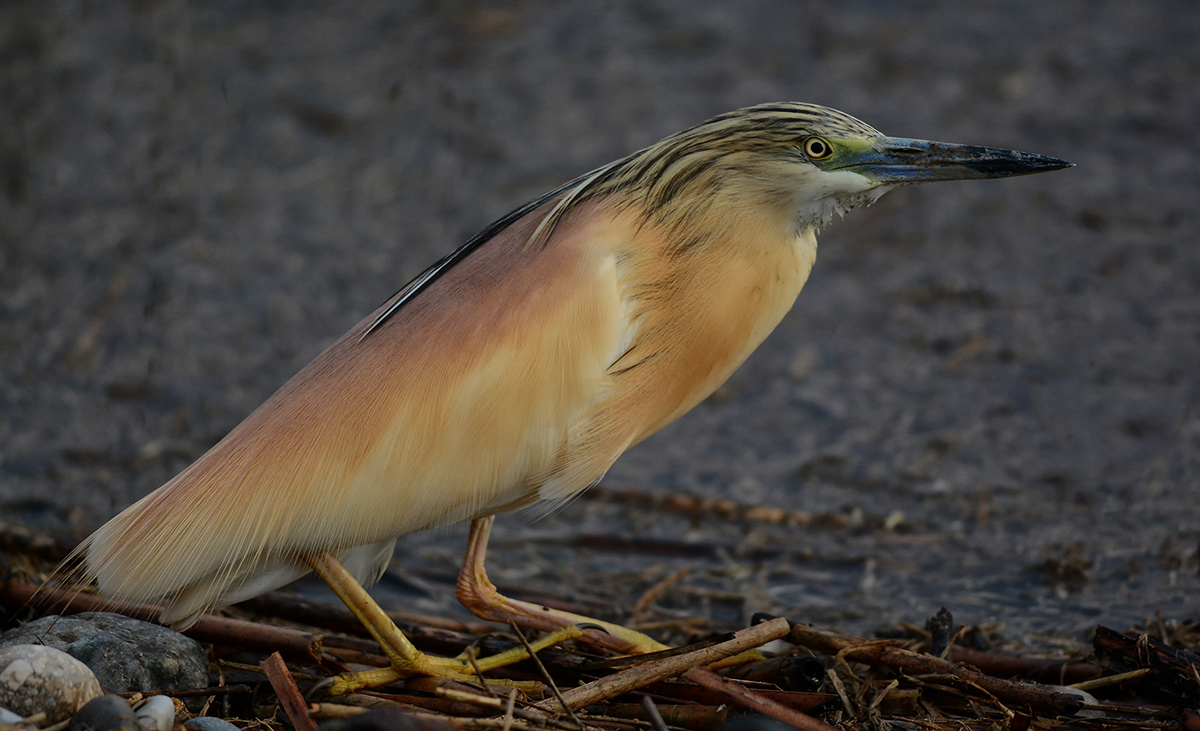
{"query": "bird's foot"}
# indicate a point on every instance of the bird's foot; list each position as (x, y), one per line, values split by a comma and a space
(463, 668)
(614, 637)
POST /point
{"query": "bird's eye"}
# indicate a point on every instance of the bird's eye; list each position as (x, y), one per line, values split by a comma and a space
(817, 148)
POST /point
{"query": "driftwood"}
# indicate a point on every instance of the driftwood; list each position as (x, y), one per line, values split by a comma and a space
(668, 667)
(1176, 671)
(752, 701)
(289, 695)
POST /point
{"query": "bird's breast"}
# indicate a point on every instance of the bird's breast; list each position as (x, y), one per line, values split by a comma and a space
(700, 314)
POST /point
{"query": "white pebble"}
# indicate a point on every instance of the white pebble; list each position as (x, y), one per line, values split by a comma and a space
(37, 678)
(156, 713)
(7, 716)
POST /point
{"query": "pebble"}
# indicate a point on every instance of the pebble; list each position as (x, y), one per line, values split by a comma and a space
(1086, 697)
(125, 654)
(156, 713)
(209, 723)
(35, 678)
(106, 713)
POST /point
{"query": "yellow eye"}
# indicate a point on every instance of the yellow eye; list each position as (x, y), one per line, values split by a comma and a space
(817, 148)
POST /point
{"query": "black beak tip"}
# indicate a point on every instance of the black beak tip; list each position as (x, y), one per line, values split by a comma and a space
(1023, 163)
(1055, 163)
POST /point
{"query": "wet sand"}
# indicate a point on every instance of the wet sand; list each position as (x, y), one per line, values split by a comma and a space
(987, 393)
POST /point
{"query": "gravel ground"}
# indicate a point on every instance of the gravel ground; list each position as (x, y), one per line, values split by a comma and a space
(991, 385)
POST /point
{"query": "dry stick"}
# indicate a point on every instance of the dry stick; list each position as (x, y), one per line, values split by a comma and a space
(653, 593)
(646, 673)
(913, 663)
(423, 719)
(803, 702)
(652, 711)
(479, 674)
(686, 715)
(289, 695)
(549, 680)
(508, 709)
(625, 661)
(498, 705)
(840, 688)
(1175, 668)
(439, 704)
(214, 630)
(1005, 665)
(754, 702)
(880, 695)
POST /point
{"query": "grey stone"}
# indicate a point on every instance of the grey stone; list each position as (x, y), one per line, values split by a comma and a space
(34, 678)
(125, 654)
(209, 723)
(105, 713)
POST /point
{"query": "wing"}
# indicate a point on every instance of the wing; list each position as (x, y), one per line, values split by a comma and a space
(461, 403)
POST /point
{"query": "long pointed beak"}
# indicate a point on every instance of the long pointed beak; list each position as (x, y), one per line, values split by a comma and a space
(898, 160)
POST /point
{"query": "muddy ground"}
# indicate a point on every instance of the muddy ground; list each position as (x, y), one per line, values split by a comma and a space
(988, 394)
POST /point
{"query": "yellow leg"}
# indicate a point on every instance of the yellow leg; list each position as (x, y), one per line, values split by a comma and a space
(405, 659)
(478, 594)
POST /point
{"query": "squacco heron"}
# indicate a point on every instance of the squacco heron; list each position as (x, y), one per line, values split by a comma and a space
(516, 370)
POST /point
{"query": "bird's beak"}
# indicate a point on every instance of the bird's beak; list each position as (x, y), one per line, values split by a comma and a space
(898, 160)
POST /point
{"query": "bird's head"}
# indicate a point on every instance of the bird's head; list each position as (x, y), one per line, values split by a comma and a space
(806, 161)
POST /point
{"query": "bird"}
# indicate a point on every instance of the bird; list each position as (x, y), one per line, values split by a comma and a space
(515, 371)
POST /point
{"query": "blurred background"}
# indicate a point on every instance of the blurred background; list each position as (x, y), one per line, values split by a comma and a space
(987, 397)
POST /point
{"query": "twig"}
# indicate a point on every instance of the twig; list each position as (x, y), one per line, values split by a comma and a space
(1008, 666)
(289, 695)
(1107, 680)
(421, 719)
(804, 702)
(1175, 669)
(508, 710)
(685, 715)
(549, 680)
(630, 660)
(653, 593)
(215, 630)
(646, 673)
(652, 711)
(913, 663)
(497, 705)
(470, 652)
(840, 689)
(752, 701)
(60, 726)
(879, 696)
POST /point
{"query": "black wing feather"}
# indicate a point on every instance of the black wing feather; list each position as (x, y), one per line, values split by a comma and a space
(422, 281)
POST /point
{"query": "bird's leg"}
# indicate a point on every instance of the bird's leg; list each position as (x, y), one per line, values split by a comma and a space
(405, 659)
(478, 594)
